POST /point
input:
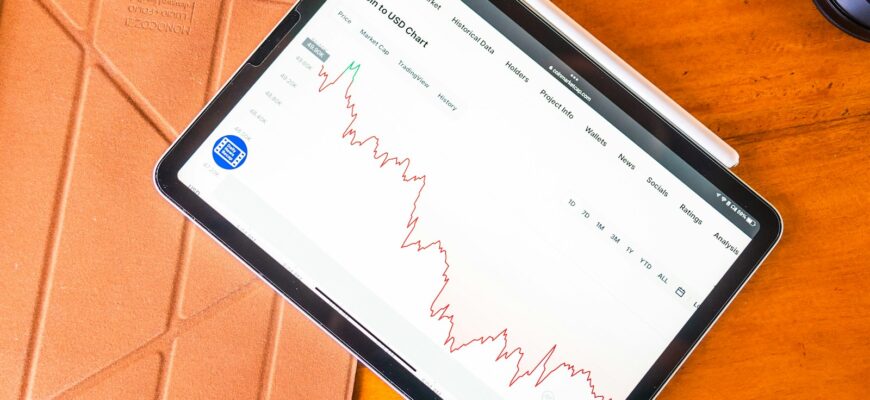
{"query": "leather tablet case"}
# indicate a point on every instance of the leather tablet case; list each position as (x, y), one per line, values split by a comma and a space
(106, 291)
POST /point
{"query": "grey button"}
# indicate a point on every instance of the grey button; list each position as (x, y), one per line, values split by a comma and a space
(315, 49)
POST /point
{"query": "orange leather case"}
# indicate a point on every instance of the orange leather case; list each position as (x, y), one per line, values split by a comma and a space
(106, 291)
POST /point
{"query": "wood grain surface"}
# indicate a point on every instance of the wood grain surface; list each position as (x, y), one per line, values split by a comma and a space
(97, 304)
(792, 94)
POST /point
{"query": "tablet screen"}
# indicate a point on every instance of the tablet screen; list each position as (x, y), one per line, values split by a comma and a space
(485, 214)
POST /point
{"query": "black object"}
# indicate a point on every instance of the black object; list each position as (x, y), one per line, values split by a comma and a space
(516, 21)
(851, 16)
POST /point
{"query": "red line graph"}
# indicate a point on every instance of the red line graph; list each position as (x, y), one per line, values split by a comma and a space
(443, 313)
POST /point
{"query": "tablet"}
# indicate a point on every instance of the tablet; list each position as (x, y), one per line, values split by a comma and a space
(468, 202)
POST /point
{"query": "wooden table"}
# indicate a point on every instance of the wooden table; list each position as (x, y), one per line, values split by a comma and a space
(792, 94)
(108, 293)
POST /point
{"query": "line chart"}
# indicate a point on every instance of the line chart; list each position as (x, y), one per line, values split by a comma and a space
(541, 370)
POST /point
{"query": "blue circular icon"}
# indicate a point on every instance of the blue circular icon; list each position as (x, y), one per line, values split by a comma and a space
(230, 152)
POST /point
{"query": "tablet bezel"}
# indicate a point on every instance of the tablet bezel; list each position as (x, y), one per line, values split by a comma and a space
(351, 334)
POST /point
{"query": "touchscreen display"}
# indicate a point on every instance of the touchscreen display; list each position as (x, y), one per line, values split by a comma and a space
(491, 219)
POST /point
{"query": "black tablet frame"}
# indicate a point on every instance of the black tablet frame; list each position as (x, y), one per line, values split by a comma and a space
(352, 336)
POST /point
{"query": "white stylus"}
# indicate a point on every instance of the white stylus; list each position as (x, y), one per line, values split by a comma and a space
(634, 81)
